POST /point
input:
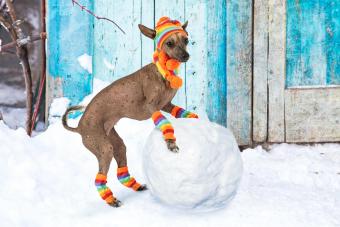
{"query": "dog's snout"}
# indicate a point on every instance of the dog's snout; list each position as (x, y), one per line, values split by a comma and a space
(185, 56)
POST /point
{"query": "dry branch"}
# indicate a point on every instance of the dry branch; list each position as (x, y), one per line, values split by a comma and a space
(98, 17)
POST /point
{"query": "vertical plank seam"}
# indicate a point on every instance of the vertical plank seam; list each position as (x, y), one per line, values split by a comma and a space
(285, 67)
(267, 68)
(251, 139)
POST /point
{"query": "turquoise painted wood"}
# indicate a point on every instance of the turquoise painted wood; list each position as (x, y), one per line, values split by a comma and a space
(196, 68)
(70, 35)
(239, 69)
(313, 47)
(216, 105)
(117, 54)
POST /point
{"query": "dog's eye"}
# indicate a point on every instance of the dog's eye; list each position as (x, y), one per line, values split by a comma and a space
(186, 41)
(169, 44)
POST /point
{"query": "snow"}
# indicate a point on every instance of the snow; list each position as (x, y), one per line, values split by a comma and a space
(48, 180)
(203, 175)
(85, 61)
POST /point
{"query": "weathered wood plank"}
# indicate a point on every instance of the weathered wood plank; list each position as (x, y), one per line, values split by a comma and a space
(196, 67)
(115, 54)
(312, 115)
(147, 19)
(65, 23)
(239, 68)
(260, 70)
(174, 10)
(332, 27)
(306, 47)
(276, 69)
(216, 97)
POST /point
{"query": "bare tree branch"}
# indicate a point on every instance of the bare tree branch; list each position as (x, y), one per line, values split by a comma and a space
(22, 53)
(32, 39)
(98, 17)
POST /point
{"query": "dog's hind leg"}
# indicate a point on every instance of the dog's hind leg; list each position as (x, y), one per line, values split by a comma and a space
(104, 160)
(119, 154)
(102, 148)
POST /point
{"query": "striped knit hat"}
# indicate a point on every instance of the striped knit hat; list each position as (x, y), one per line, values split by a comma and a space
(166, 27)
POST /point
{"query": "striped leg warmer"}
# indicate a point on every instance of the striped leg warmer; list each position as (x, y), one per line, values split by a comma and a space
(164, 125)
(179, 112)
(124, 178)
(103, 190)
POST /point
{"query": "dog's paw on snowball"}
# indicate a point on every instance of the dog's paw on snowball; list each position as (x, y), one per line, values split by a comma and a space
(172, 146)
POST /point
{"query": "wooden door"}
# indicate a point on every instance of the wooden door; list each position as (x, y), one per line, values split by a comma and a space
(297, 94)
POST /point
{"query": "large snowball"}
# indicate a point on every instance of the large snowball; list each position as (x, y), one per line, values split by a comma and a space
(204, 174)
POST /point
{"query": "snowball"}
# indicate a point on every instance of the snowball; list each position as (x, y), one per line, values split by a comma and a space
(206, 172)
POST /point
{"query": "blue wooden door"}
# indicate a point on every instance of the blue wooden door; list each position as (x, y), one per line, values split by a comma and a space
(303, 69)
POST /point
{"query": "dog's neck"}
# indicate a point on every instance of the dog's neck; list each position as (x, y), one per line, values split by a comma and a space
(168, 68)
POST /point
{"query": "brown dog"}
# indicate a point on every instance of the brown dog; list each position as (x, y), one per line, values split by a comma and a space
(136, 96)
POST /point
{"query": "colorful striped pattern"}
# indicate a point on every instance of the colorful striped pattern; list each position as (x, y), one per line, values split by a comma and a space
(166, 27)
(124, 178)
(103, 190)
(164, 125)
(179, 112)
(169, 68)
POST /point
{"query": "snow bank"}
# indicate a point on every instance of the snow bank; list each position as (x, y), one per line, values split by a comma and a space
(204, 174)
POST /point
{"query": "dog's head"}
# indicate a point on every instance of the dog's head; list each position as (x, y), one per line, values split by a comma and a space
(170, 36)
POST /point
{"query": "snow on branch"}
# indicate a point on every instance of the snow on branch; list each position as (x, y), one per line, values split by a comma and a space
(98, 17)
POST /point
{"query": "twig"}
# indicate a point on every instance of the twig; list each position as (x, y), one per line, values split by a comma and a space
(98, 17)
(34, 38)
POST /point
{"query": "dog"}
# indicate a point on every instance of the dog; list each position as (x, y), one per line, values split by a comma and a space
(140, 96)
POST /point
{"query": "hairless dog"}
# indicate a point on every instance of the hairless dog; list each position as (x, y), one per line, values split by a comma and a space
(140, 95)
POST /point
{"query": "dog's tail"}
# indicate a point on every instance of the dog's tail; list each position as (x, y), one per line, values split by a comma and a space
(64, 119)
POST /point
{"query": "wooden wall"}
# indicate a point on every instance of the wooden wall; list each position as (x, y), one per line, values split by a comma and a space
(220, 47)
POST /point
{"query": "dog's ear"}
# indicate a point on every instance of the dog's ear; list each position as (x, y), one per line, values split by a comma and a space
(184, 26)
(148, 32)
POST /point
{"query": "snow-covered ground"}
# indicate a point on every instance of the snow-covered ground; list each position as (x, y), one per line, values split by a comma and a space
(48, 180)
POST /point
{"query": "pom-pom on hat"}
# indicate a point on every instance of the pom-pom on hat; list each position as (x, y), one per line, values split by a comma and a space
(166, 27)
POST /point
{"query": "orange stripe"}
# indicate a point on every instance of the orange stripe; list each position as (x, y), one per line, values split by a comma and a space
(155, 115)
(101, 177)
(174, 110)
(122, 169)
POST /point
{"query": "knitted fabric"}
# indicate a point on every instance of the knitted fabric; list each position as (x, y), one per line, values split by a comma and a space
(164, 125)
(168, 68)
(165, 27)
(179, 112)
(103, 190)
(124, 178)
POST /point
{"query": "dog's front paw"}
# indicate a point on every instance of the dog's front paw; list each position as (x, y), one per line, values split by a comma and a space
(116, 203)
(143, 187)
(172, 146)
